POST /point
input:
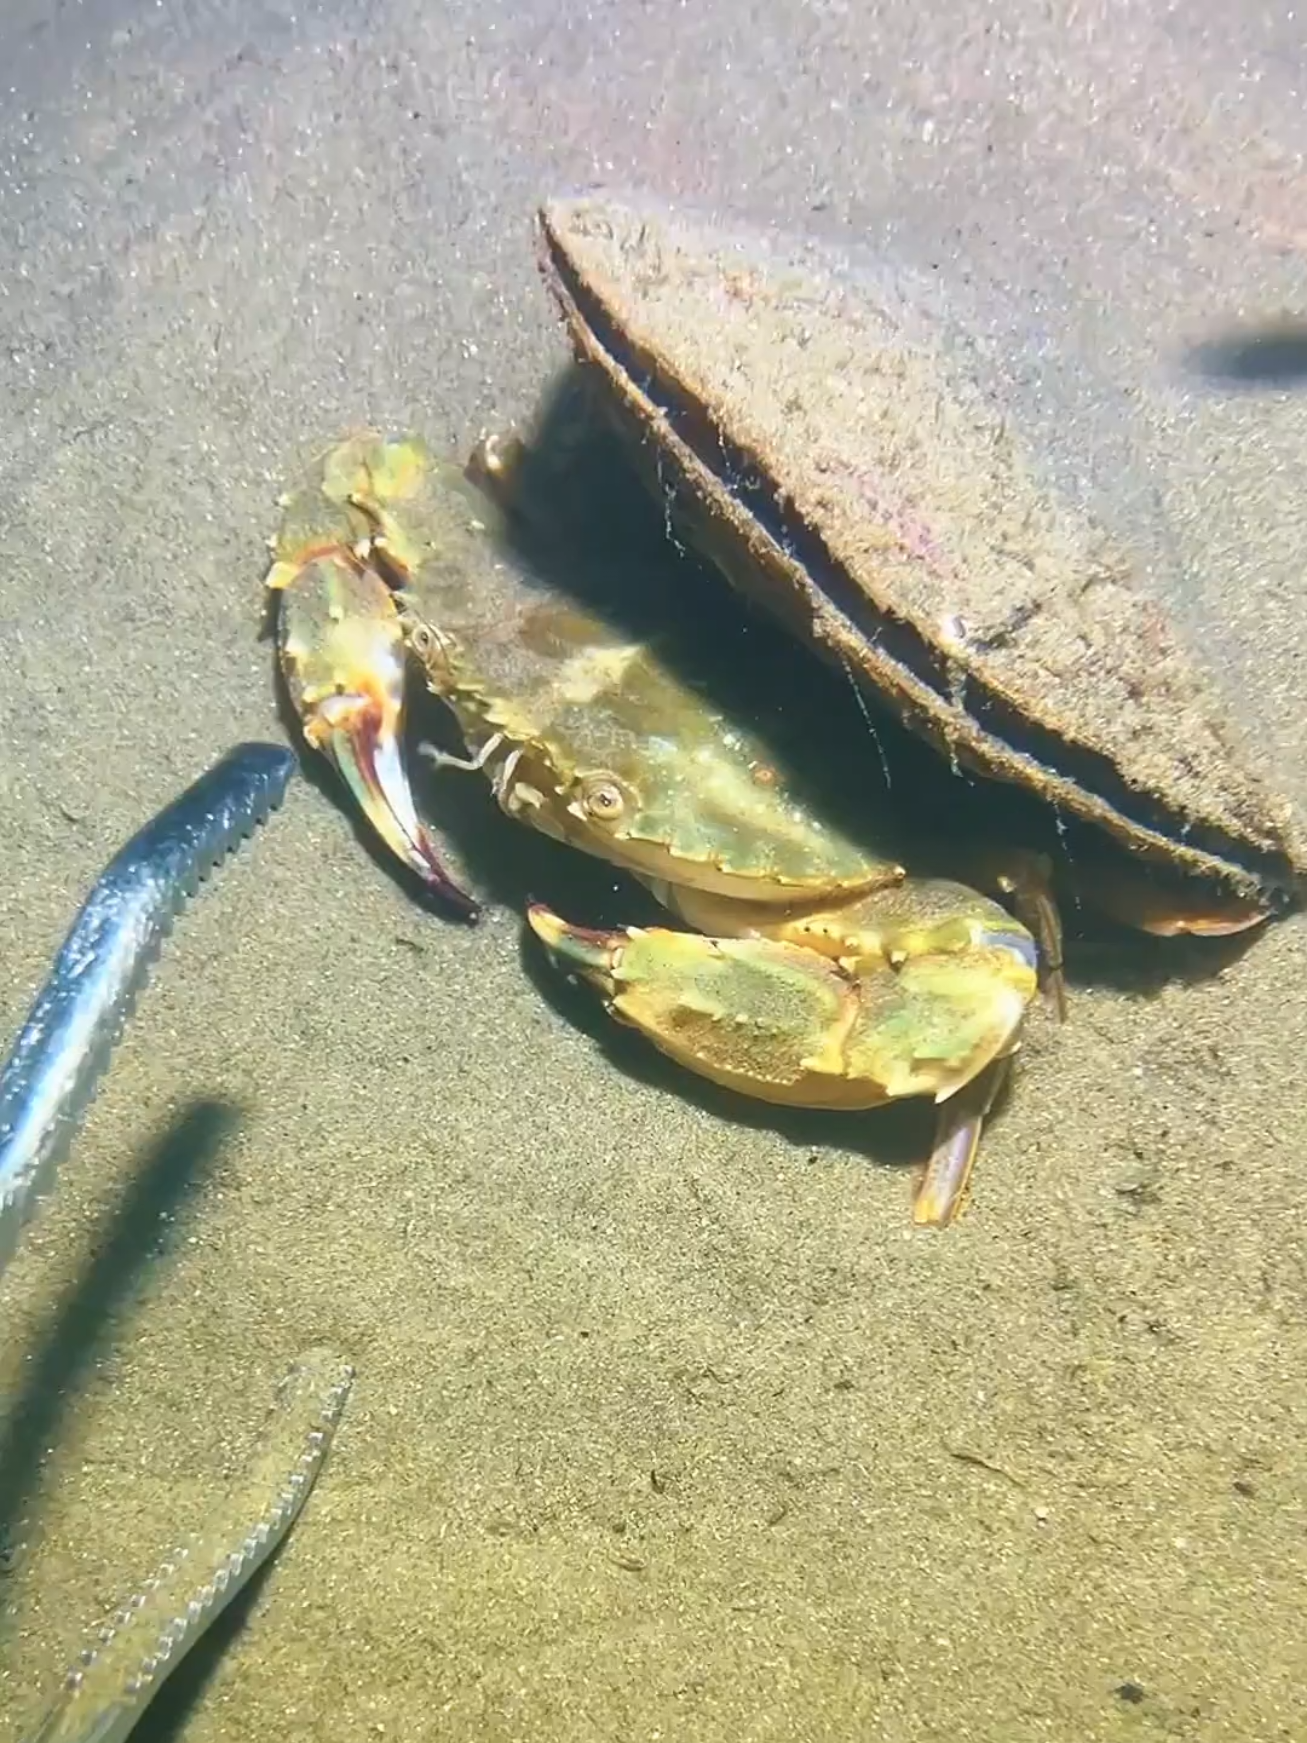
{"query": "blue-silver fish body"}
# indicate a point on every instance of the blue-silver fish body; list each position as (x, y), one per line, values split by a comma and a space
(61, 1052)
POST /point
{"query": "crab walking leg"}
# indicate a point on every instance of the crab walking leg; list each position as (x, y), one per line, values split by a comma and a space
(942, 1191)
(782, 1023)
(111, 1684)
(342, 651)
(1149, 903)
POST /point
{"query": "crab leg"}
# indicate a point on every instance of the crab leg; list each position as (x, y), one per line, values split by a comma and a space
(943, 1187)
(342, 650)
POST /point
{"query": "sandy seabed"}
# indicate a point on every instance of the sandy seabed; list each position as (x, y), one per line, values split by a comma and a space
(666, 1422)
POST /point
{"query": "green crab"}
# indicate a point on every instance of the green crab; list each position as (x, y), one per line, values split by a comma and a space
(818, 974)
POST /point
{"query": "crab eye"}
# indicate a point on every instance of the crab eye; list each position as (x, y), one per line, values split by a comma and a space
(602, 798)
(430, 644)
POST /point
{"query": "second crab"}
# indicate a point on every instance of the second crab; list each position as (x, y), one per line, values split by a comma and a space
(819, 974)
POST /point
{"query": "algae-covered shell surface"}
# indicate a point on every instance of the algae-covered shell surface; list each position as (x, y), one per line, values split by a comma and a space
(836, 447)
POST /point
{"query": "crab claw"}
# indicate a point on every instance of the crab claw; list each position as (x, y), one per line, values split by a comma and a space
(586, 950)
(342, 650)
(785, 1024)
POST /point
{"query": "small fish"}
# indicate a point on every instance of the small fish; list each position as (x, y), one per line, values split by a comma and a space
(61, 1052)
(114, 1680)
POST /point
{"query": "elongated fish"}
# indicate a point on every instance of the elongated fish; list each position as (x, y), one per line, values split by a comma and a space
(61, 1053)
(113, 1681)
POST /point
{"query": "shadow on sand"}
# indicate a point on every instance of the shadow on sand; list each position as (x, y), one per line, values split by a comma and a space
(1273, 355)
(82, 1328)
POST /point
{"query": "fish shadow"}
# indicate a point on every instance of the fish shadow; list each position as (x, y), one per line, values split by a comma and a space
(1273, 355)
(81, 1329)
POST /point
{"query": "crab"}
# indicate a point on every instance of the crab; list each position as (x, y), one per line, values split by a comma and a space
(850, 455)
(818, 973)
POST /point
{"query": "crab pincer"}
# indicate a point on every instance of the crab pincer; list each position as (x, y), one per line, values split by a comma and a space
(343, 654)
(782, 1022)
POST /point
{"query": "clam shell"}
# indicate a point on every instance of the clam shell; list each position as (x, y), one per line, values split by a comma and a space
(826, 446)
